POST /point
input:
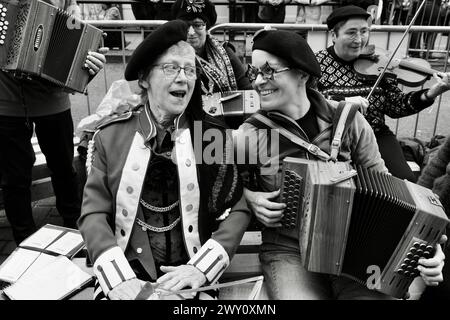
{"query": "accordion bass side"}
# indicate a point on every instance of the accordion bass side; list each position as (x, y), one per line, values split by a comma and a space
(41, 40)
(232, 106)
(373, 228)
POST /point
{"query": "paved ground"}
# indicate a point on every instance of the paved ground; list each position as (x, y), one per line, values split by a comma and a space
(44, 211)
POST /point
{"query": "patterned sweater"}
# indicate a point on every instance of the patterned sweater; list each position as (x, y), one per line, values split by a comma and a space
(436, 175)
(339, 80)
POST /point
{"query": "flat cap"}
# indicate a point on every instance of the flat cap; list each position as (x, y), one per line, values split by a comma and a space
(191, 9)
(290, 47)
(154, 45)
(343, 13)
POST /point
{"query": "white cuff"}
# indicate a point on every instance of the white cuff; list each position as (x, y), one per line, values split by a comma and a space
(112, 268)
(211, 259)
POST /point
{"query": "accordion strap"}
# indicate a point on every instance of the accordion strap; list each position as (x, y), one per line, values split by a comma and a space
(343, 117)
(311, 148)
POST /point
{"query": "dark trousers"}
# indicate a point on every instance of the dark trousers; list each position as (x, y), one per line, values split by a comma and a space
(393, 157)
(55, 137)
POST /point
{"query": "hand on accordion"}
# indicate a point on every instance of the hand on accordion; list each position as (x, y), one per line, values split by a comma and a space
(431, 269)
(269, 213)
(95, 61)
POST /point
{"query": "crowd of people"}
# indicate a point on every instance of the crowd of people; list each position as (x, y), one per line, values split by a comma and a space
(156, 212)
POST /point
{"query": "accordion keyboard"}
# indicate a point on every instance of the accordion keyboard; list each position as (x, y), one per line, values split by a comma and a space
(417, 249)
(290, 195)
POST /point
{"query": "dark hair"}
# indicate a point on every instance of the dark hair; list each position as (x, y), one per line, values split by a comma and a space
(339, 25)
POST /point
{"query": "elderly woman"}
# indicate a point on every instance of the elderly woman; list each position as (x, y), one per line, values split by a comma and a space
(221, 68)
(283, 72)
(152, 209)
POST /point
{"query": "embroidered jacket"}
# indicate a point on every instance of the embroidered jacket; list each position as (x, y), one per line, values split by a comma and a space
(117, 163)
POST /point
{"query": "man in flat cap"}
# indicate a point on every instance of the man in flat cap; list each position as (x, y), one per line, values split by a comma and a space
(152, 209)
(283, 72)
(350, 33)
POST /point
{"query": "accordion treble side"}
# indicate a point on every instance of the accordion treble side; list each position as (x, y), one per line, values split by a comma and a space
(41, 40)
(373, 228)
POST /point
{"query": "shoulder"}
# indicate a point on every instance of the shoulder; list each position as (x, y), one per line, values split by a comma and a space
(117, 118)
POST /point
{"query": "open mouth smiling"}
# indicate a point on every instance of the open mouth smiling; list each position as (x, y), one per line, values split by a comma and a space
(178, 93)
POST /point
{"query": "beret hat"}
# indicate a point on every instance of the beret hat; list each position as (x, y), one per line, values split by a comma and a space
(343, 13)
(290, 47)
(154, 45)
(191, 9)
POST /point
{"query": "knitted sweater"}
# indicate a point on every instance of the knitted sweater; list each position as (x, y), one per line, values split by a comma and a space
(436, 175)
(339, 80)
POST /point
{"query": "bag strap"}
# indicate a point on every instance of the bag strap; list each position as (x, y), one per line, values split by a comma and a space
(311, 148)
(345, 113)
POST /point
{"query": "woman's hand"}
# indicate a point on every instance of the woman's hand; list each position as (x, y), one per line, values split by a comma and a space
(127, 290)
(431, 269)
(267, 212)
(181, 277)
(95, 61)
(442, 85)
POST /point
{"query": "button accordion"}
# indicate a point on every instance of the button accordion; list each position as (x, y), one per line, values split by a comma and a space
(38, 39)
(232, 106)
(372, 228)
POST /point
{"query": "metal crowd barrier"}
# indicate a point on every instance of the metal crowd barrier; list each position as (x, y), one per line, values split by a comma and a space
(423, 125)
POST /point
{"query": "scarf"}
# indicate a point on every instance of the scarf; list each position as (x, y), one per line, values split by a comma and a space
(217, 68)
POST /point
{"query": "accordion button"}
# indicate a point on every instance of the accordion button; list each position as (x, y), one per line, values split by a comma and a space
(413, 250)
(420, 252)
(407, 273)
(407, 261)
(416, 257)
(409, 255)
(403, 266)
(400, 271)
(426, 254)
(429, 248)
(416, 245)
(2, 42)
(423, 246)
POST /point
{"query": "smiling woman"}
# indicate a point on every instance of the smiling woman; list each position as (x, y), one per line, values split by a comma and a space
(221, 69)
(151, 211)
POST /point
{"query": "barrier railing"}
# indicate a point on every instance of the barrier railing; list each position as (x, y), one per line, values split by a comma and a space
(424, 125)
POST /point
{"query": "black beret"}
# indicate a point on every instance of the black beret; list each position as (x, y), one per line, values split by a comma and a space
(154, 45)
(343, 13)
(191, 9)
(289, 46)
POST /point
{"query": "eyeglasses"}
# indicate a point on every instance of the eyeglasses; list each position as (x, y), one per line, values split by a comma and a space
(266, 71)
(199, 26)
(172, 71)
(353, 35)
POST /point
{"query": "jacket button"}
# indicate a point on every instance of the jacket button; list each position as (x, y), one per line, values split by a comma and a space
(220, 257)
(139, 250)
(122, 232)
(99, 268)
(135, 167)
(124, 212)
(190, 186)
(189, 207)
(188, 163)
(195, 249)
(130, 190)
(190, 228)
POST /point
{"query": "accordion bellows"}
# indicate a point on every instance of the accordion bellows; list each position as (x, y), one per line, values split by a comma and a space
(372, 228)
(38, 39)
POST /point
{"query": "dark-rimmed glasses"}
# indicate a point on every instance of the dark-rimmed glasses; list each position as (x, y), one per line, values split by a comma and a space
(266, 72)
(171, 71)
(197, 25)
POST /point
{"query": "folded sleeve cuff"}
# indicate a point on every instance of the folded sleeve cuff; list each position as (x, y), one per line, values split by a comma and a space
(112, 268)
(211, 259)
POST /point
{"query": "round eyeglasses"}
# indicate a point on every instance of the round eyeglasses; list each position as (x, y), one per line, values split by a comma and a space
(266, 71)
(172, 71)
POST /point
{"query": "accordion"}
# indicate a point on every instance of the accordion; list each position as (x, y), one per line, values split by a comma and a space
(373, 228)
(38, 39)
(232, 106)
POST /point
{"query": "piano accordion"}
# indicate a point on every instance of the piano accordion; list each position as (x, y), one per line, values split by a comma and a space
(232, 106)
(374, 224)
(38, 39)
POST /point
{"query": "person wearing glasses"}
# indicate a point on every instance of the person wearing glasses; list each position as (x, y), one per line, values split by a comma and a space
(350, 34)
(283, 72)
(221, 69)
(152, 211)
